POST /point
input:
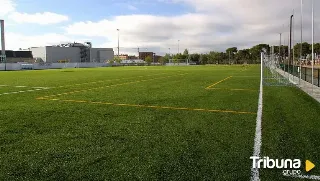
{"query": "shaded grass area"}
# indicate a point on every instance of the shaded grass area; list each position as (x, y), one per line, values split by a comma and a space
(291, 122)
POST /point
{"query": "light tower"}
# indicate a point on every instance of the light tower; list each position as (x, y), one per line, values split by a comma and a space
(3, 45)
(3, 50)
(118, 42)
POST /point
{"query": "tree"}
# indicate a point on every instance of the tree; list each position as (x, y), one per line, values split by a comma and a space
(116, 59)
(232, 50)
(243, 56)
(317, 48)
(167, 57)
(186, 52)
(162, 60)
(194, 58)
(203, 59)
(256, 51)
(148, 60)
(305, 49)
(180, 57)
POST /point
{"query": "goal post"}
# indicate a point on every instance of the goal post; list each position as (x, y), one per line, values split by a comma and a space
(272, 72)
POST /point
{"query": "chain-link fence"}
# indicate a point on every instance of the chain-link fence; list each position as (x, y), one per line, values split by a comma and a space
(306, 73)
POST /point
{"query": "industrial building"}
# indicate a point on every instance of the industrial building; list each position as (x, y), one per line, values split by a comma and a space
(144, 55)
(71, 52)
(18, 56)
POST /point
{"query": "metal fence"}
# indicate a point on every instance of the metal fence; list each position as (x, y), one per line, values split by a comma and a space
(306, 73)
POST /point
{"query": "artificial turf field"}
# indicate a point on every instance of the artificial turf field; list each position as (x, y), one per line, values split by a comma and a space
(149, 123)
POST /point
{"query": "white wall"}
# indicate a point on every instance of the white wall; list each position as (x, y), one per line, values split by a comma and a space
(39, 53)
(42, 66)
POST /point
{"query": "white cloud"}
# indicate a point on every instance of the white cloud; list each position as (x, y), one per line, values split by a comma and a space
(38, 18)
(6, 6)
(15, 41)
(215, 25)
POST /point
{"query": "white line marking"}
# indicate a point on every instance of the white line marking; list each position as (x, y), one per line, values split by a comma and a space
(3, 85)
(312, 177)
(31, 90)
(20, 86)
(257, 140)
(40, 87)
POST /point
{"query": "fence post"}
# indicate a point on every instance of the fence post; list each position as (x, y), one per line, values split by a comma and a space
(319, 77)
(305, 74)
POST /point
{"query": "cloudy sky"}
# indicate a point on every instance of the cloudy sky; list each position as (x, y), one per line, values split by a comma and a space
(155, 25)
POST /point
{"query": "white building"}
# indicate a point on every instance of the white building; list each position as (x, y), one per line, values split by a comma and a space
(73, 53)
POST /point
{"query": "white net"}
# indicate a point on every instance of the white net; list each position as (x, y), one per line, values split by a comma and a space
(273, 74)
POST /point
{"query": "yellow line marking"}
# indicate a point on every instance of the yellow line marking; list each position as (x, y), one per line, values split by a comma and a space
(218, 82)
(232, 89)
(150, 106)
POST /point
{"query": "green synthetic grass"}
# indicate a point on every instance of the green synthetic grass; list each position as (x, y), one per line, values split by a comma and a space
(128, 126)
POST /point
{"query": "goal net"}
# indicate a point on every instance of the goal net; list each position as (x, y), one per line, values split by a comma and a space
(273, 73)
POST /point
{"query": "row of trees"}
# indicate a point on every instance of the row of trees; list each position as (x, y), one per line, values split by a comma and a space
(233, 55)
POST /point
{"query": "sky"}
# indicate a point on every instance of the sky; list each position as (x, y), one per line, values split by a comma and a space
(161, 26)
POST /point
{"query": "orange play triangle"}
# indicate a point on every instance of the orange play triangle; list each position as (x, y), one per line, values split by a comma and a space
(309, 165)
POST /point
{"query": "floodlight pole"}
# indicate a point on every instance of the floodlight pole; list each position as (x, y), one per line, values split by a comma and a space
(3, 51)
(290, 41)
(280, 48)
(178, 46)
(300, 72)
(312, 44)
(293, 56)
(118, 42)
